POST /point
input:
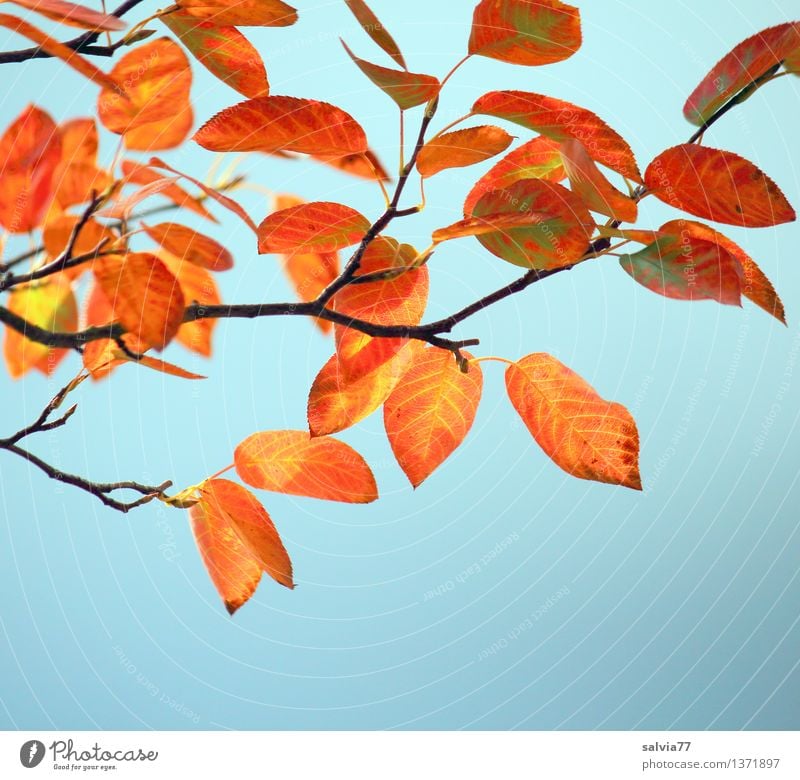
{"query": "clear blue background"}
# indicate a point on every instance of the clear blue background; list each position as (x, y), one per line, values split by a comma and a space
(674, 608)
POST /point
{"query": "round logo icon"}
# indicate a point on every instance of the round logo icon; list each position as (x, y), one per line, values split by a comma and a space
(31, 753)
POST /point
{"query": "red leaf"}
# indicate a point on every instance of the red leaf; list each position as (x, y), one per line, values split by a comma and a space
(717, 185)
(276, 123)
(372, 26)
(406, 89)
(686, 268)
(585, 435)
(461, 148)
(237, 541)
(539, 158)
(224, 51)
(525, 32)
(146, 297)
(243, 13)
(562, 121)
(292, 462)
(154, 111)
(755, 284)
(739, 67)
(30, 150)
(430, 411)
(589, 184)
(185, 243)
(311, 227)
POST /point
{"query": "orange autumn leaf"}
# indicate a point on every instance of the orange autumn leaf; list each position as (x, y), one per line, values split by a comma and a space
(406, 89)
(311, 227)
(277, 123)
(561, 121)
(336, 401)
(188, 244)
(197, 286)
(243, 13)
(461, 148)
(56, 49)
(365, 165)
(292, 462)
(30, 150)
(754, 282)
(57, 232)
(742, 65)
(223, 50)
(532, 224)
(73, 15)
(136, 173)
(50, 305)
(717, 185)
(373, 27)
(585, 435)
(77, 176)
(399, 299)
(684, 267)
(150, 107)
(237, 540)
(594, 189)
(146, 298)
(430, 411)
(525, 32)
(539, 158)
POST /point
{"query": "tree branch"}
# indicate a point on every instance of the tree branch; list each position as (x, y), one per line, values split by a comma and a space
(83, 43)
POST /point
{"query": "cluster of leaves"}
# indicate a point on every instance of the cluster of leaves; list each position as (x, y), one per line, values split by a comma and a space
(546, 206)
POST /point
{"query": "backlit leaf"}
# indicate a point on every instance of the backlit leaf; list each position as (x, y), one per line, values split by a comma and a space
(372, 26)
(277, 123)
(525, 32)
(686, 268)
(585, 435)
(589, 184)
(739, 67)
(430, 411)
(146, 298)
(188, 244)
(406, 89)
(49, 304)
(539, 158)
(365, 165)
(57, 49)
(311, 227)
(562, 121)
(57, 232)
(136, 173)
(337, 402)
(197, 286)
(754, 282)
(461, 148)
(533, 224)
(242, 13)
(717, 185)
(73, 15)
(154, 112)
(77, 175)
(399, 299)
(224, 51)
(292, 462)
(237, 540)
(30, 150)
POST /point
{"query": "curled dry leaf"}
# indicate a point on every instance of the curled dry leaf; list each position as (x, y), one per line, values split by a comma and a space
(292, 462)
(237, 541)
(585, 435)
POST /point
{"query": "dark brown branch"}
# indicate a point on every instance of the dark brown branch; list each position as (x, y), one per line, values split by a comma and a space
(83, 44)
